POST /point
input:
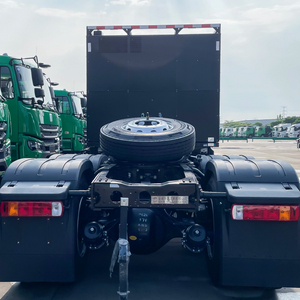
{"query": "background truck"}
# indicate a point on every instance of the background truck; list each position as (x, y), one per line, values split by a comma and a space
(228, 132)
(151, 175)
(5, 130)
(280, 130)
(35, 121)
(263, 131)
(241, 131)
(248, 131)
(294, 130)
(74, 126)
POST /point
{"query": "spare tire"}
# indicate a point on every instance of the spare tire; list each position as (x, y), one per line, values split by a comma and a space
(147, 140)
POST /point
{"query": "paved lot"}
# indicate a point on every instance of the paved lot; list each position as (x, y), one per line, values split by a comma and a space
(263, 149)
(172, 272)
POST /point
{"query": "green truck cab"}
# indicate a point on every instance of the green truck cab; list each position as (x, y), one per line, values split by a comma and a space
(73, 119)
(5, 130)
(263, 131)
(248, 131)
(35, 123)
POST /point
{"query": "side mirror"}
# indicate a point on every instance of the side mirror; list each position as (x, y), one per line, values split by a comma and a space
(37, 77)
(58, 106)
(39, 93)
(52, 92)
(83, 102)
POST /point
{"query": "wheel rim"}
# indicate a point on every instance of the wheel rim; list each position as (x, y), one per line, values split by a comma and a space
(147, 126)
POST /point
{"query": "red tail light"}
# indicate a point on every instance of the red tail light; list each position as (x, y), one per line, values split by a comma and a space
(31, 209)
(265, 212)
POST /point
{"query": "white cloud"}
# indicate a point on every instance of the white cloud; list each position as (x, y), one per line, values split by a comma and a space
(101, 13)
(59, 13)
(131, 2)
(274, 18)
(9, 4)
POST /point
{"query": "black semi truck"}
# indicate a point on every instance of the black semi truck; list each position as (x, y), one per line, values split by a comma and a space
(150, 174)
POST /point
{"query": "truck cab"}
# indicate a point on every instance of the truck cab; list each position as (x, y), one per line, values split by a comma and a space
(74, 123)
(282, 130)
(35, 124)
(263, 131)
(248, 131)
(228, 132)
(241, 131)
(294, 130)
(5, 128)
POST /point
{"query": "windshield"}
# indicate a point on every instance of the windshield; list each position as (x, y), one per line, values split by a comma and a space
(282, 129)
(24, 81)
(76, 102)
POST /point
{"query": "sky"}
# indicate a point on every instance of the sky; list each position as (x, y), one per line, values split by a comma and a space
(260, 42)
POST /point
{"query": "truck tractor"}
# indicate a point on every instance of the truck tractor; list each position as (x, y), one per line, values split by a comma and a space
(74, 125)
(34, 121)
(150, 174)
(5, 131)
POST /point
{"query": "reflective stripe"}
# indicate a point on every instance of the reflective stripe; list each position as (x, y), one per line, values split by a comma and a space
(155, 26)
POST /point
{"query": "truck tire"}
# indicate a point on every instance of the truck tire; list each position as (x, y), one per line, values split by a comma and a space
(153, 140)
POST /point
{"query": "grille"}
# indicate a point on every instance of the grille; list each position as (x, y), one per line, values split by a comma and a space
(3, 128)
(49, 131)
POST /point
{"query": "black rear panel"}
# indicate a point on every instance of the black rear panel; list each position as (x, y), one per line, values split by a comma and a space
(175, 75)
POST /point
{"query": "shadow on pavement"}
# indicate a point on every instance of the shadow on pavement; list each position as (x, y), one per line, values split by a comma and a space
(170, 273)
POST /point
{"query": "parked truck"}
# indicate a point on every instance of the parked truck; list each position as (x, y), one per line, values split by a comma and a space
(228, 132)
(263, 131)
(248, 131)
(5, 131)
(280, 130)
(235, 132)
(35, 123)
(241, 131)
(74, 126)
(294, 130)
(151, 175)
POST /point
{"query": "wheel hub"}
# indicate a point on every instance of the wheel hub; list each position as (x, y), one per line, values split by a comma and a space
(147, 126)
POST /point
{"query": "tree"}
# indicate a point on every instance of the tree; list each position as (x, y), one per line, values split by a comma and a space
(290, 119)
(272, 124)
(257, 124)
(235, 124)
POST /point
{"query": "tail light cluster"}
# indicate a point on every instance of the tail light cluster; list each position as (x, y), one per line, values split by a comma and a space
(31, 209)
(265, 212)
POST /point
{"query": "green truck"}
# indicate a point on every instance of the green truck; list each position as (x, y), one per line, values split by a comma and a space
(73, 119)
(263, 131)
(5, 129)
(248, 131)
(35, 121)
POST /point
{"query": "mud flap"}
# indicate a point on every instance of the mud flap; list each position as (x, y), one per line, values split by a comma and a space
(255, 253)
(35, 249)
